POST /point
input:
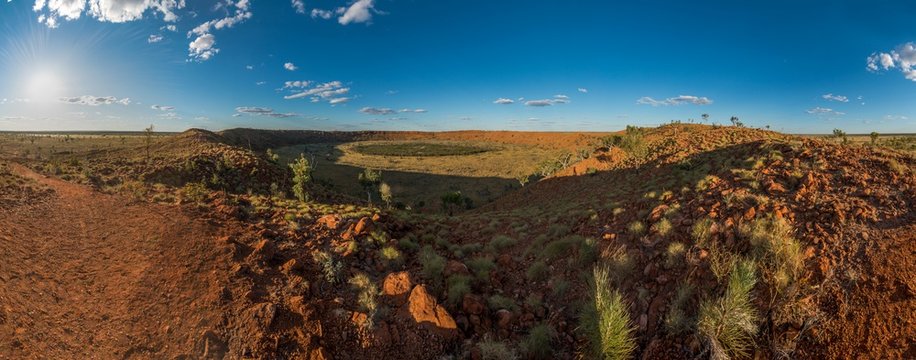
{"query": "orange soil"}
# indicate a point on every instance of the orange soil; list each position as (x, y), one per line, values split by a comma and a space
(89, 275)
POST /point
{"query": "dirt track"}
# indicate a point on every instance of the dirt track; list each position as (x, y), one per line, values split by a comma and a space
(88, 275)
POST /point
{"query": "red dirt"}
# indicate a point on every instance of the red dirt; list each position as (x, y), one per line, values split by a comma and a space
(89, 275)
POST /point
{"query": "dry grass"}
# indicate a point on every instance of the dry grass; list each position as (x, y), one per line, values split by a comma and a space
(606, 321)
(729, 323)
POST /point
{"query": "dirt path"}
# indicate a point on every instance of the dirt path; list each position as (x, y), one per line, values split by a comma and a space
(89, 275)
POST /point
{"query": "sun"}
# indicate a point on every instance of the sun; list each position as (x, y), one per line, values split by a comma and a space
(44, 85)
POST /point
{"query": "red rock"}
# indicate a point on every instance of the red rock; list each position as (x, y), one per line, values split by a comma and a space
(331, 221)
(454, 267)
(396, 286)
(362, 226)
(424, 309)
(290, 266)
(610, 236)
(657, 212)
(264, 250)
(504, 318)
(775, 188)
(472, 304)
(809, 252)
(376, 217)
(750, 214)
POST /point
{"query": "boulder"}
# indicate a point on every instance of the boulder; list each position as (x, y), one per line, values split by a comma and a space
(424, 309)
(396, 286)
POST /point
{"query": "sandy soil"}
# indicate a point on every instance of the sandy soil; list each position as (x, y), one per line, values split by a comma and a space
(88, 275)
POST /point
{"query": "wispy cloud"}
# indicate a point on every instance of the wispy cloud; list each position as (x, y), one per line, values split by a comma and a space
(324, 91)
(262, 111)
(503, 101)
(299, 6)
(824, 111)
(895, 117)
(902, 57)
(416, 111)
(290, 66)
(583, 90)
(154, 39)
(162, 107)
(377, 111)
(94, 100)
(679, 100)
(557, 99)
(831, 97)
(340, 100)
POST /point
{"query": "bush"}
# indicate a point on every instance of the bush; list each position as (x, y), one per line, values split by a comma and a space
(636, 228)
(773, 244)
(702, 232)
(195, 192)
(606, 320)
(495, 350)
(662, 227)
(560, 247)
(481, 268)
(500, 243)
(677, 320)
(432, 263)
(674, 253)
(588, 252)
(538, 343)
(498, 302)
(302, 175)
(329, 267)
(458, 286)
(538, 271)
(729, 323)
(366, 295)
(391, 256)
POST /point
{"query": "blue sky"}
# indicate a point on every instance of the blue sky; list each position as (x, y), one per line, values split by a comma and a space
(448, 65)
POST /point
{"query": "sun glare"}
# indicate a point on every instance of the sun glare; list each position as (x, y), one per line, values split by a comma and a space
(44, 85)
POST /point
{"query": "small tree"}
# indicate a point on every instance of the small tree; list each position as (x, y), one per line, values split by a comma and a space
(736, 122)
(452, 201)
(385, 192)
(874, 137)
(370, 180)
(840, 134)
(148, 133)
(273, 157)
(302, 175)
(705, 117)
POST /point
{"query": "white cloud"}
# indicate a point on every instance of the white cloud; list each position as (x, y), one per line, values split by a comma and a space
(201, 118)
(162, 107)
(340, 100)
(290, 66)
(679, 100)
(259, 83)
(895, 117)
(902, 57)
(154, 39)
(249, 67)
(557, 99)
(202, 49)
(116, 11)
(13, 101)
(319, 92)
(299, 6)
(824, 111)
(94, 100)
(323, 14)
(170, 116)
(831, 97)
(296, 84)
(416, 111)
(377, 111)
(169, 27)
(583, 90)
(358, 12)
(503, 101)
(261, 111)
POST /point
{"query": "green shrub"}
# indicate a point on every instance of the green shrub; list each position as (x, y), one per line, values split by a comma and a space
(330, 268)
(501, 243)
(558, 287)
(636, 228)
(433, 264)
(458, 286)
(302, 175)
(481, 267)
(780, 254)
(408, 244)
(729, 323)
(674, 253)
(662, 227)
(195, 192)
(367, 292)
(560, 247)
(539, 342)
(677, 321)
(495, 350)
(538, 271)
(588, 252)
(606, 320)
(391, 256)
(498, 302)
